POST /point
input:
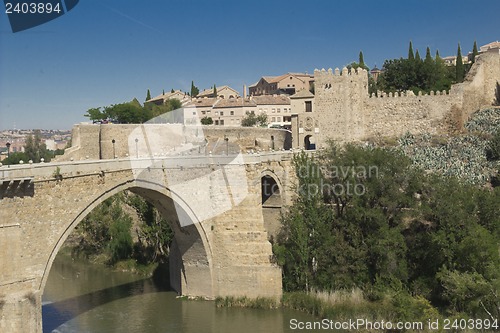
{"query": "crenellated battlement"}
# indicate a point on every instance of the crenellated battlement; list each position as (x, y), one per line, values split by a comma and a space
(409, 94)
(344, 110)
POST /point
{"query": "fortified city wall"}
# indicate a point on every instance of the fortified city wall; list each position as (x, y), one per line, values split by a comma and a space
(345, 111)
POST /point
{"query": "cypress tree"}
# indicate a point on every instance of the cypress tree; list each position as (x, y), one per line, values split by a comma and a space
(361, 60)
(417, 56)
(437, 55)
(474, 52)
(428, 57)
(459, 67)
(163, 93)
(411, 56)
(172, 90)
(194, 90)
(215, 91)
(148, 96)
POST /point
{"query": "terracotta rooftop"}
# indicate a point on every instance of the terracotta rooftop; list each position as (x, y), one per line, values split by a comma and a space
(233, 102)
(210, 91)
(271, 100)
(304, 93)
(202, 102)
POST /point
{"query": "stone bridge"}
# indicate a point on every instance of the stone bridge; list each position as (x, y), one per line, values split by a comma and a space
(216, 202)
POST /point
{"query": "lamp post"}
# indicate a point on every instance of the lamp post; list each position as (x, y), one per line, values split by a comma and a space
(227, 144)
(136, 148)
(8, 149)
(114, 154)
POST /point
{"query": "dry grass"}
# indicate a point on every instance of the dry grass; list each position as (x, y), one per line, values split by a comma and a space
(352, 297)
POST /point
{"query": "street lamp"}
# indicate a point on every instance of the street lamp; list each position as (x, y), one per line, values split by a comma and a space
(113, 142)
(8, 149)
(136, 148)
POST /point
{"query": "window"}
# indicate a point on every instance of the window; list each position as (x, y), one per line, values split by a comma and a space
(232, 113)
(274, 110)
(278, 119)
(194, 113)
(222, 122)
(222, 113)
(278, 110)
(217, 112)
(273, 119)
(203, 112)
(309, 106)
(216, 122)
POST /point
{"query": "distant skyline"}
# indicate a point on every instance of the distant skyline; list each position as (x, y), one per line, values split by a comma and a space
(110, 51)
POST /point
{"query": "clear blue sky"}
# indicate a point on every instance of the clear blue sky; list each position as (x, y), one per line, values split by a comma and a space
(110, 51)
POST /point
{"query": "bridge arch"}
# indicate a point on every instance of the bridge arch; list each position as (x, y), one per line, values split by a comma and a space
(191, 253)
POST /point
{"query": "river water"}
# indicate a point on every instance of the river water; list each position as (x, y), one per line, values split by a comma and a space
(80, 297)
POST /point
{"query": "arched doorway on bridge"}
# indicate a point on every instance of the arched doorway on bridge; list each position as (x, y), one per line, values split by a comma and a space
(272, 204)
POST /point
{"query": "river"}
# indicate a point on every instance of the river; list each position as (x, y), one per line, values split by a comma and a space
(81, 297)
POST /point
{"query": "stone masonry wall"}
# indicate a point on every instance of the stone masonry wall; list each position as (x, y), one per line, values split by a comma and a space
(96, 141)
(345, 112)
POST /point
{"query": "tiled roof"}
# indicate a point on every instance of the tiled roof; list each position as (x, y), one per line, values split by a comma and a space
(304, 93)
(492, 45)
(202, 102)
(271, 100)
(208, 92)
(234, 102)
(166, 96)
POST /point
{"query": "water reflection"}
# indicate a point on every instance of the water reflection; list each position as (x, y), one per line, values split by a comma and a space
(63, 311)
(84, 298)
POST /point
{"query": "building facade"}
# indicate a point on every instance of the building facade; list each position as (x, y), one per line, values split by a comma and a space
(287, 84)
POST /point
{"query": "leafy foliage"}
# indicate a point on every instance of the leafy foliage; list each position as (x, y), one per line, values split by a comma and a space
(400, 75)
(107, 230)
(408, 233)
(207, 120)
(252, 120)
(135, 113)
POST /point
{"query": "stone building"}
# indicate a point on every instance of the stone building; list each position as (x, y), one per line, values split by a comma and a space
(288, 84)
(161, 99)
(304, 126)
(222, 92)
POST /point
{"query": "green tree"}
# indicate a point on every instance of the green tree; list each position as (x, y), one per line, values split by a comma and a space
(15, 158)
(474, 52)
(215, 91)
(459, 67)
(172, 90)
(148, 96)
(417, 56)
(207, 120)
(96, 114)
(411, 55)
(194, 90)
(35, 149)
(249, 120)
(361, 60)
